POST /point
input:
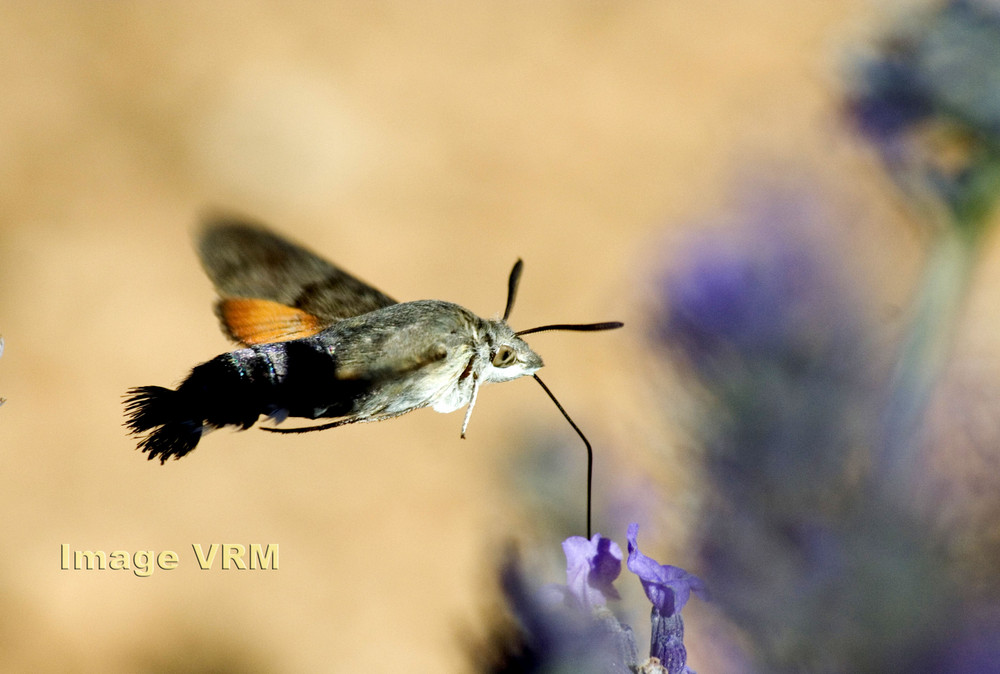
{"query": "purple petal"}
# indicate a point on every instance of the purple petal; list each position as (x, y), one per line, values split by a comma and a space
(667, 587)
(591, 568)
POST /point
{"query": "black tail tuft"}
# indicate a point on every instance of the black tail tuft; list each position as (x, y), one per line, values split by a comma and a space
(172, 430)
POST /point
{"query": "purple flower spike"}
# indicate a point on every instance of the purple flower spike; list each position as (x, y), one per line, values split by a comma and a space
(591, 568)
(668, 587)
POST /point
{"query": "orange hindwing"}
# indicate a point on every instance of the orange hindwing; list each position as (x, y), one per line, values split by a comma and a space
(256, 321)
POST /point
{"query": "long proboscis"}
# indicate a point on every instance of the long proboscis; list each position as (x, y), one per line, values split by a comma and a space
(590, 450)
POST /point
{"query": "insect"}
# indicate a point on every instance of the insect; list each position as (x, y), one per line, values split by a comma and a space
(320, 344)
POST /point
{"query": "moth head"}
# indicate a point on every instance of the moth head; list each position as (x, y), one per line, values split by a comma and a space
(509, 356)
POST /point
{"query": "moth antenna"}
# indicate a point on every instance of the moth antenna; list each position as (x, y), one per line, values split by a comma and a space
(578, 327)
(590, 450)
(512, 282)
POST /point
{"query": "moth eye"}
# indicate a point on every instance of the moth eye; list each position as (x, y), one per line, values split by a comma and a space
(505, 356)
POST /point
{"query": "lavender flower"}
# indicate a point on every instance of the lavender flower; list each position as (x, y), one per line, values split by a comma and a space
(565, 627)
(591, 569)
(570, 628)
(758, 315)
(668, 588)
(929, 99)
(941, 62)
(800, 546)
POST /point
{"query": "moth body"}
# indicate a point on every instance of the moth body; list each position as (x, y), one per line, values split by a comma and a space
(319, 343)
(371, 367)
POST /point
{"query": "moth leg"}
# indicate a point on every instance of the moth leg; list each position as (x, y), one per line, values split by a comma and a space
(472, 403)
(335, 424)
(307, 429)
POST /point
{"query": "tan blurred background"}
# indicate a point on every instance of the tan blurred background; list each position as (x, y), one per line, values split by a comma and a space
(424, 148)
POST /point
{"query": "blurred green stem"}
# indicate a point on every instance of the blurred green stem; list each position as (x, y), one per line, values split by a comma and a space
(924, 351)
(967, 216)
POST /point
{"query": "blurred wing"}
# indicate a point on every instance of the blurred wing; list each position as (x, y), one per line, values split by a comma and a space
(273, 290)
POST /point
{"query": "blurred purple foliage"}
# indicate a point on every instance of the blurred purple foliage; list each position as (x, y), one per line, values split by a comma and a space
(799, 547)
(928, 98)
(819, 538)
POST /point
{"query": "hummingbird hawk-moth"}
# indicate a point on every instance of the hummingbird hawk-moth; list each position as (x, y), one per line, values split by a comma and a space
(320, 344)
